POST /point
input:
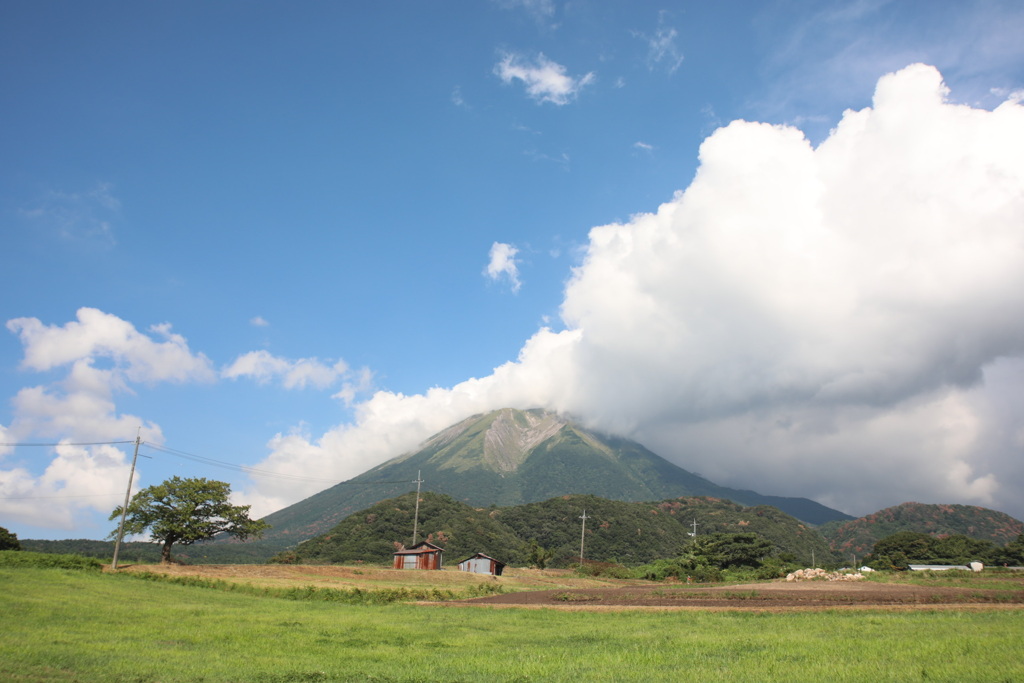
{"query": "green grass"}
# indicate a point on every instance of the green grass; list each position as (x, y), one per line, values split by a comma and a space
(62, 625)
(22, 558)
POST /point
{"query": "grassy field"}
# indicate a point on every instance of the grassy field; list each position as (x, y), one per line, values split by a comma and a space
(61, 625)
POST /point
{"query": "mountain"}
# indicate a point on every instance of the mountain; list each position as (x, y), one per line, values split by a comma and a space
(512, 457)
(629, 533)
(860, 535)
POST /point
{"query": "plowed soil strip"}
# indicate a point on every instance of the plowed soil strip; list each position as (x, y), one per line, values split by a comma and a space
(761, 597)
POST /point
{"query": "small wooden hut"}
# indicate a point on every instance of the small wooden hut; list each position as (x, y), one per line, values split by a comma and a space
(423, 555)
(482, 564)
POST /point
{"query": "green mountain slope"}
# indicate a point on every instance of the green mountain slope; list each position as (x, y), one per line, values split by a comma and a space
(512, 457)
(860, 535)
(616, 531)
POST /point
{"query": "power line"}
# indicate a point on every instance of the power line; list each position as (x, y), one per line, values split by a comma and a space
(77, 495)
(232, 466)
(65, 443)
(256, 471)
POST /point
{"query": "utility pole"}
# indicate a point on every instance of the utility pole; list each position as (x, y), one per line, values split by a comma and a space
(694, 534)
(127, 496)
(416, 517)
(583, 533)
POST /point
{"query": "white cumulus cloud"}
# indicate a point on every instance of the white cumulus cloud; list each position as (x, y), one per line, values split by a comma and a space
(80, 407)
(843, 322)
(95, 334)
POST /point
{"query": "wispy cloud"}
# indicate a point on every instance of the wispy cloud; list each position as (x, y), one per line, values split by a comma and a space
(542, 11)
(662, 49)
(457, 99)
(259, 321)
(545, 80)
(263, 367)
(503, 264)
(85, 216)
(643, 146)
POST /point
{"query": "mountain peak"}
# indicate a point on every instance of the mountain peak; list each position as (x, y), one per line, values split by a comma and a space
(511, 457)
(513, 434)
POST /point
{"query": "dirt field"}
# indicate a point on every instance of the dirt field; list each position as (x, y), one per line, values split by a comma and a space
(561, 589)
(769, 596)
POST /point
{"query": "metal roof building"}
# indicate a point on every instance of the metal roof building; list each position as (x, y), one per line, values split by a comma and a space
(423, 555)
(936, 567)
(482, 564)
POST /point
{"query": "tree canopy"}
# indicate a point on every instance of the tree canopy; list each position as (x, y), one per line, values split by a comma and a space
(724, 550)
(909, 547)
(8, 540)
(185, 511)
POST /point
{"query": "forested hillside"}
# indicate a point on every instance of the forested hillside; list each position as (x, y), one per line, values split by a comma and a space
(860, 535)
(616, 531)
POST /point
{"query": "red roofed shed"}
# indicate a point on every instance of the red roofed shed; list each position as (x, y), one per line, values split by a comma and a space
(423, 555)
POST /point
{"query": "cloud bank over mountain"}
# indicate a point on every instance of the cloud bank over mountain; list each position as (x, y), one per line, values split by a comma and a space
(844, 322)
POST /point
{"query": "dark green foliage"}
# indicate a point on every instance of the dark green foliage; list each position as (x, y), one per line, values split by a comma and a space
(728, 550)
(8, 540)
(637, 533)
(910, 547)
(857, 537)
(374, 534)
(539, 555)
(28, 559)
(1012, 554)
(186, 511)
(616, 532)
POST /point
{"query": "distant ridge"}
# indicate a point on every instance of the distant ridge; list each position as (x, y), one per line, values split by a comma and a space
(512, 457)
(860, 535)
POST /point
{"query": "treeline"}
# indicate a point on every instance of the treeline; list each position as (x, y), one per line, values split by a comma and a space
(858, 536)
(909, 547)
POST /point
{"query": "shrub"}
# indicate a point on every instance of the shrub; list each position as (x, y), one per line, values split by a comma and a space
(659, 570)
(605, 569)
(705, 574)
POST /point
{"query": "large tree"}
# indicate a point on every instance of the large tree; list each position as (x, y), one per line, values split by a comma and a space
(725, 550)
(8, 540)
(185, 511)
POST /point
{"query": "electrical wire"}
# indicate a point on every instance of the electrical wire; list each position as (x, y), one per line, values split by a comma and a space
(254, 470)
(187, 456)
(65, 443)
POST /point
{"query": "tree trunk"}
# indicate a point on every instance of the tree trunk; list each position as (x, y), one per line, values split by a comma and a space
(165, 553)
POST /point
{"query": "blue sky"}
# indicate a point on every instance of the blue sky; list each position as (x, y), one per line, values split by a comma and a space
(303, 238)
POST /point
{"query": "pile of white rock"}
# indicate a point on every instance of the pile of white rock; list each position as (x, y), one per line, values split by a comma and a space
(822, 575)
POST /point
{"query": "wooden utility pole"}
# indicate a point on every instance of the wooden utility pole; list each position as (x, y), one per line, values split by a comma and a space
(416, 516)
(127, 497)
(583, 534)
